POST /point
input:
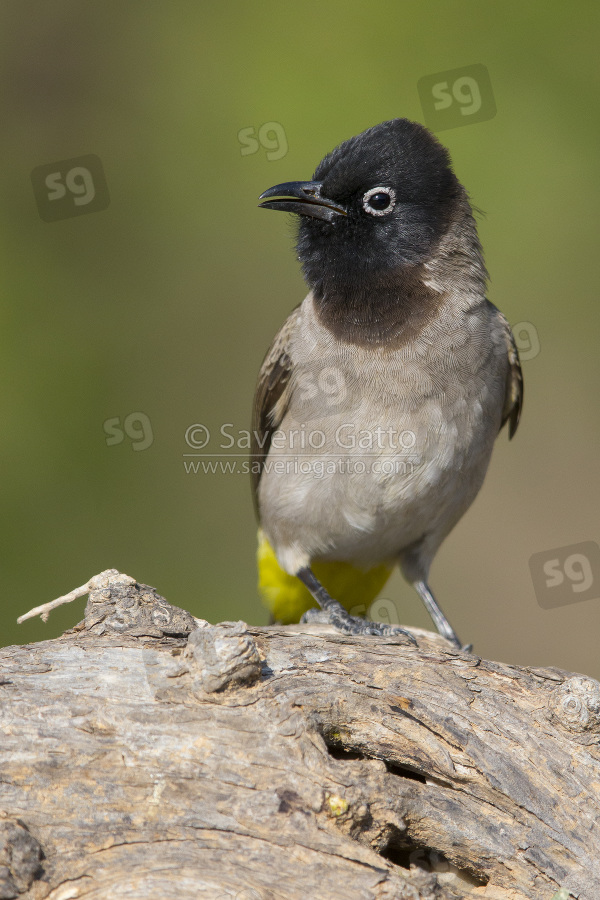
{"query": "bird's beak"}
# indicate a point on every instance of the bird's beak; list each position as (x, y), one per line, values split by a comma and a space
(304, 198)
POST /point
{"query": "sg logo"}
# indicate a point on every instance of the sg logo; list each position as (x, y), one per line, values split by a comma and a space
(271, 136)
(566, 575)
(457, 97)
(137, 427)
(527, 340)
(71, 187)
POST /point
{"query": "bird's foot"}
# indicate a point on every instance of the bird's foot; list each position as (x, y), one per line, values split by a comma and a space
(336, 615)
(457, 644)
(439, 619)
(333, 613)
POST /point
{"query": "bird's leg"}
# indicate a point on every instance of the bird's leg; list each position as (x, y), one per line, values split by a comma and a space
(439, 619)
(333, 613)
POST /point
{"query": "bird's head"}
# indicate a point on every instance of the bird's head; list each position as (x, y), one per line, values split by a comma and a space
(379, 202)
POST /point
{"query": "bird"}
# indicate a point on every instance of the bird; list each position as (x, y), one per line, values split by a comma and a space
(379, 401)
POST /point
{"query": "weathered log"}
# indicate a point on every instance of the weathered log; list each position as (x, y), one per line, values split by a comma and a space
(146, 754)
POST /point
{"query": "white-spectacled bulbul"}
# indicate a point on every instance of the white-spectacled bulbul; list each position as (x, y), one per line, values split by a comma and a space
(380, 399)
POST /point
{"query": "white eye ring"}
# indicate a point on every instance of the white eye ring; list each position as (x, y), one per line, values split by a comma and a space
(379, 190)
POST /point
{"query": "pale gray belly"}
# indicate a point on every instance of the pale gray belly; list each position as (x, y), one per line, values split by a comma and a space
(378, 483)
(375, 454)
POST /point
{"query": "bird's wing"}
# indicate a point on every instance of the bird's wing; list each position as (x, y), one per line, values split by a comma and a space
(513, 397)
(271, 399)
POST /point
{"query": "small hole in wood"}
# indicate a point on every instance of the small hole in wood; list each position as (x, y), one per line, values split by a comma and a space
(337, 750)
(403, 772)
(429, 860)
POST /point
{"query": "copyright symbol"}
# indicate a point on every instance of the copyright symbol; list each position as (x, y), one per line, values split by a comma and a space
(197, 436)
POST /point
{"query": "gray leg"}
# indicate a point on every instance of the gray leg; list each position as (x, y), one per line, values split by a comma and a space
(439, 619)
(333, 613)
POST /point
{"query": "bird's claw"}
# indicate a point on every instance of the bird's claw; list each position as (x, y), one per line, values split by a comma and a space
(337, 616)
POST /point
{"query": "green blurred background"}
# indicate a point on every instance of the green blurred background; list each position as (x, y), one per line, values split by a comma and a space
(165, 302)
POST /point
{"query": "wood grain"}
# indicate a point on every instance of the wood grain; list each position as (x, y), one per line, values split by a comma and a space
(146, 754)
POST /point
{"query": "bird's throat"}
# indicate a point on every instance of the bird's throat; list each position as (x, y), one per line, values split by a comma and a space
(390, 309)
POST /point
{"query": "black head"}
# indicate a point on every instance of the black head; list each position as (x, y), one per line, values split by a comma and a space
(378, 203)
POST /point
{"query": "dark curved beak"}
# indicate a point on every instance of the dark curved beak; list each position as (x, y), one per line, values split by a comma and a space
(304, 198)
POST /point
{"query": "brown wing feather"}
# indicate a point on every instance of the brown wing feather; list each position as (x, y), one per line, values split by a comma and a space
(513, 398)
(271, 399)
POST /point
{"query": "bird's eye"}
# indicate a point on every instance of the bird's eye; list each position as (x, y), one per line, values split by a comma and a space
(379, 201)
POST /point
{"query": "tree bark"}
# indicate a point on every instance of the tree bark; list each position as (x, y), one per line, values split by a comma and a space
(148, 754)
